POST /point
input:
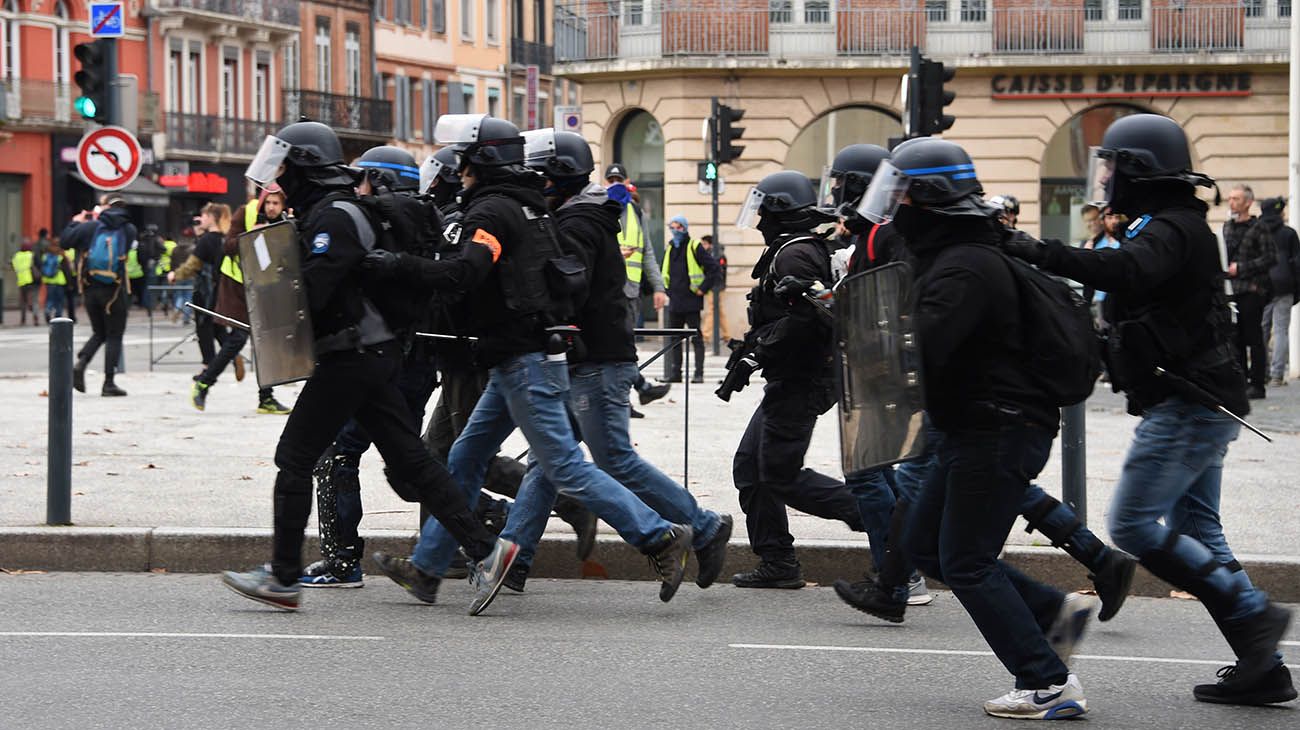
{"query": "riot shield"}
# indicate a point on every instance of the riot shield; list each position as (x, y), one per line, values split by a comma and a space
(881, 401)
(277, 304)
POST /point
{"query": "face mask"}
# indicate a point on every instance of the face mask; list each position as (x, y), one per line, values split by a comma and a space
(679, 237)
(619, 193)
(908, 221)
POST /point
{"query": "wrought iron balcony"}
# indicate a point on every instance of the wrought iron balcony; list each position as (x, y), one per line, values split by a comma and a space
(346, 114)
(528, 53)
(209, 135)
(282, 12)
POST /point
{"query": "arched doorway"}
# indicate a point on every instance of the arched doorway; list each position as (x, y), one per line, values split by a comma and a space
(1064, 169)
(639, 146)
(818, 142)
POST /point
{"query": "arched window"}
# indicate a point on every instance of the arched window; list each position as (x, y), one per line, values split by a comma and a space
(639, 147)
(1065, 169)
(818, 142)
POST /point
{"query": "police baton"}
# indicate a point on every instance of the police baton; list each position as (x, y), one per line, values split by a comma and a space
(1193, 392)
(437, 336)
(222, 317)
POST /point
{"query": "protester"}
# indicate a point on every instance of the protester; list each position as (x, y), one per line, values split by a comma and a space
(689, 273)
(103, 242)
(1250, 257)
(1284, 276)
(706, 317)
(55, 275)
(203, 266)
(23, 264)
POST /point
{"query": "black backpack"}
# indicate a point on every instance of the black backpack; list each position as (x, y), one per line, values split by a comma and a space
(399, 223)
(1062, 345)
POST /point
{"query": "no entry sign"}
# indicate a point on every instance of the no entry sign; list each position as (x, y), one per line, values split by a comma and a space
(109, 158)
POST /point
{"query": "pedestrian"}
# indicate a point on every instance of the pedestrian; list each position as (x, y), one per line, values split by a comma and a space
(1250, 257)
(23, 264)
(148, 253)
(1010, 207)
(203, 266)
(231, 302)
(1283, 277)
(1090, 216)
(102, 243)
(55, 275)
(689, 272)
(355, 373)
(792, 343)
(707, 315)
(506, 240)
(995, 428)
(1167, 303)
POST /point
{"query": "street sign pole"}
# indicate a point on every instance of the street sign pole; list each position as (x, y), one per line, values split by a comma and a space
(110, 52)
(717, 242)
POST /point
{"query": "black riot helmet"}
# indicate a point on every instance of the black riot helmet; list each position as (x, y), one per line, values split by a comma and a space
(301, 156)
(932, 174)
(481, 140)
(847, 177)
(390, 167)
(564, 158)
(783, 202)
(1137, 152)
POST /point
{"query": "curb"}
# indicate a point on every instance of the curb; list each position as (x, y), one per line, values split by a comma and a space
(212, 549)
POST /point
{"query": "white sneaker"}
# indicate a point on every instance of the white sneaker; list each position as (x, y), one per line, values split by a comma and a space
(917, 593)
(1057, 702)
(1071, 620)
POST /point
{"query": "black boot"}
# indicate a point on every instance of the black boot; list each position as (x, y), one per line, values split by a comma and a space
(1112, 579)
(110, 389)
(771, 575)
(1255, 640)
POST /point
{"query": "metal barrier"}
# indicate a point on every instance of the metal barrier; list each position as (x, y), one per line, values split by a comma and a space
(190, 336)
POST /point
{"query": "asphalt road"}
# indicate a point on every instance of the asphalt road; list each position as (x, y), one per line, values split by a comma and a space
(175, 651)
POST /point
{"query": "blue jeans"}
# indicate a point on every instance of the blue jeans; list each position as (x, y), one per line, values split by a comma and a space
(958, 526)
(529, 391)
(54, 301)
(599, 402)
(1174, 470)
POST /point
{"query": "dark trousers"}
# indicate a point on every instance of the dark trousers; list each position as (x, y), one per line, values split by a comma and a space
(768, 468)
(232, 342)
(957, 528)
(72, 302)
(106, 306)
(673, 360)
(460, 393)
(28, 297)
(361, 385)
(1251, 350)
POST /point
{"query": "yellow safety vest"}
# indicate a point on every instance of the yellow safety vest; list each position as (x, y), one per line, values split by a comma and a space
(133, 268)
(57, 280)
(631, 236)
(693, 268)
(230, 267)
(22, 263)
(250, 214)
(165, 263)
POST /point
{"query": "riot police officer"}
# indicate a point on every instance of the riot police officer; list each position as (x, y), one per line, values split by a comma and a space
(516, 285)
(357, 361)
(791, 341)
(868, 244)
(440, 180)
(1170, 352)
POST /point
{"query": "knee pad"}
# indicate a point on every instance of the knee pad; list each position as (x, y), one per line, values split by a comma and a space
(1167, 565)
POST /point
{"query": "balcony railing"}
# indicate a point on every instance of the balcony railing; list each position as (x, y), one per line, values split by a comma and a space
(31, 103)
(346, 114)
(528, 53)
(284, 12)
(215, 135)
(598, 30)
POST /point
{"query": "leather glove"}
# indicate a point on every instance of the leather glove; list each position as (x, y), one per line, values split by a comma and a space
(381, 263)
(790, 287)
(1025, 247)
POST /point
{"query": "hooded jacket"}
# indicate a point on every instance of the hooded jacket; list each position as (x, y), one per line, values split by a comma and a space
(589, 225)
(1286, 269)
(79, 236)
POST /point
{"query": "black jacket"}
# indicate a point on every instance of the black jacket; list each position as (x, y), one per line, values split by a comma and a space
(968, 323)
(79, 236)
(1168, 267)
(792, 340)
(589, 223)
(877, 246)
(680, 297)
(1286, 269)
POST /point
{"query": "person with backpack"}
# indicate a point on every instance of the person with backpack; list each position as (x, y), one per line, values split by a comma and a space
(993, 420)
(204, 267)
(23, 264)
(55, 275)
(103, 243)
(357, 357)
(232, 302)
(517, 283)
(1171, 352)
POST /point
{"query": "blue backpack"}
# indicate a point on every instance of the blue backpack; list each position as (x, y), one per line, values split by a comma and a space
(103, 262)
(50, 265)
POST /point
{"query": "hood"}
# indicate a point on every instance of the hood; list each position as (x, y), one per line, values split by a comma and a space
(526, 189)
(594, 205)
(927, 232)
(114, 217)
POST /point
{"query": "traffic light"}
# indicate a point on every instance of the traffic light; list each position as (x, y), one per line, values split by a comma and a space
(707, 171)
(934, 97)
(93, 80)
(724, 120)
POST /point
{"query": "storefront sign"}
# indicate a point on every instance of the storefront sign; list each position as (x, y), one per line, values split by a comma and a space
(196, 182)
(1120, 85)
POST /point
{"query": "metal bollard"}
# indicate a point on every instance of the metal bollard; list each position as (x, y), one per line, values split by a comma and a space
(1074, 460)
(58, 483)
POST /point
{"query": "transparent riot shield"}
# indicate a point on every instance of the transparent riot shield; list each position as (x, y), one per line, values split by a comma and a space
(277, 304)
(881, 401)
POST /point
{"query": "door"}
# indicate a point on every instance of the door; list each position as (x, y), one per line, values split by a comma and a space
(11, 231)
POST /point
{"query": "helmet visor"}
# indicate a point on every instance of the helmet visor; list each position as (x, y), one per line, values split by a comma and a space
(429, 173)
(458, 128)
(539, 146)
(749, 212)
(830, 193)
(268, 161)
(884, 194)
(1101, 177)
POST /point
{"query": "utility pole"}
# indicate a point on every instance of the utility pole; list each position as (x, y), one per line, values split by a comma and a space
(717, 242)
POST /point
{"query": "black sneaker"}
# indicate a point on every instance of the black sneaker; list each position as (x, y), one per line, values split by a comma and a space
(868, 597)
(1270, 689)
(652, 393)
(1255, 392)
(697, 378)
(634, 413)
(1112, 581)
(770, 575)
(668, 559)
(714, 553)
(110, 390)
(1254, 640)
(516, 577)
(404, 573)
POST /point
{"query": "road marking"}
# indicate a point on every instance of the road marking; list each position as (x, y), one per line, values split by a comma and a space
(959, 652)
(164, 635)
(1289, 643)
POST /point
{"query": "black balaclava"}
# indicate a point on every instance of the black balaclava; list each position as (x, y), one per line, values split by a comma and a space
(796, 222)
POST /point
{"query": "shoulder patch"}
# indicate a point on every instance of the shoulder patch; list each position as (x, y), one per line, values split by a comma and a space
(489, 240)
(1136, 227)
(321, 243)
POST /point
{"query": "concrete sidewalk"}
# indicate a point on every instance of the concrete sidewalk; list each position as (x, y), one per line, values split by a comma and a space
(158, 485)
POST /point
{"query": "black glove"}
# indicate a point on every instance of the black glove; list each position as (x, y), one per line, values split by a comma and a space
(791, 287)
(381, 263)
(1025, 247)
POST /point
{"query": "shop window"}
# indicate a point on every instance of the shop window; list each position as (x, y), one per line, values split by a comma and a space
(818, 142)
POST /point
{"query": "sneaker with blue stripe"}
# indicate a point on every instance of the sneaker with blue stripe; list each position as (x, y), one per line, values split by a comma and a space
(1057, 702)
(331, 574)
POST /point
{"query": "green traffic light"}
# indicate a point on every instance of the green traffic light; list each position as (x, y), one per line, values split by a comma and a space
(710, 171)
(86, 107)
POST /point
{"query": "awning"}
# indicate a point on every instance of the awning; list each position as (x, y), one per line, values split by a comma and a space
(142, 191)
